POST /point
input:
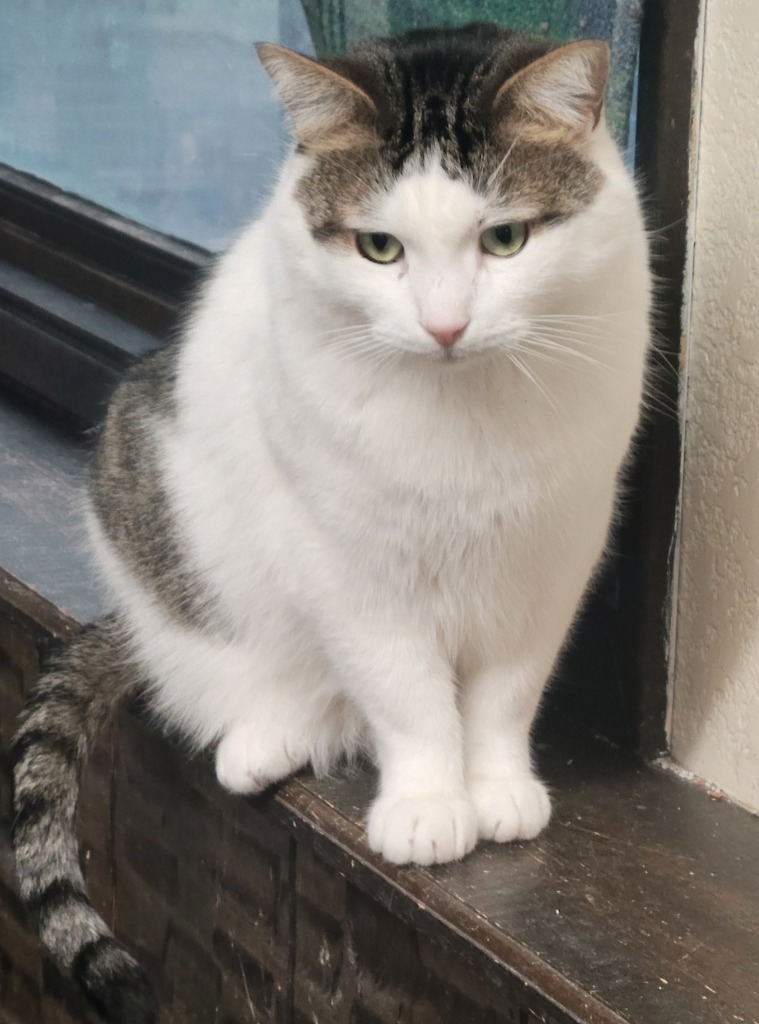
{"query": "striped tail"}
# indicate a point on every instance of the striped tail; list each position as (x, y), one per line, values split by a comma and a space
(56, 732)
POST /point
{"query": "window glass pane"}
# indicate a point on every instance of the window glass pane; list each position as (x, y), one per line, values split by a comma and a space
(159, 110)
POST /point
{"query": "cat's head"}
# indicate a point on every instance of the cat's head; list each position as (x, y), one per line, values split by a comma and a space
(444, 182)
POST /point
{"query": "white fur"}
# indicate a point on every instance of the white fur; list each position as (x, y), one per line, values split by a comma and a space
(398, 541)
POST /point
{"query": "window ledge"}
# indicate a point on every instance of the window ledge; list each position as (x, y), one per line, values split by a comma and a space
(639, 903)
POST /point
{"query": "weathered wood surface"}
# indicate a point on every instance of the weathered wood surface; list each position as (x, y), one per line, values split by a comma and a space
(640, 902)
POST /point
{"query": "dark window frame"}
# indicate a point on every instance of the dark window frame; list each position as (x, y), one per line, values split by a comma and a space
(84, 292)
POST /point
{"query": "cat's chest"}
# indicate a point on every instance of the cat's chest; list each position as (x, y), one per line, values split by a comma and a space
(429, 518)
(413, 488)
(440, 462)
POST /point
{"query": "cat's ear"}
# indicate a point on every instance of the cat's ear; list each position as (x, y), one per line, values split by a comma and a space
(562, 91)
(327, 109)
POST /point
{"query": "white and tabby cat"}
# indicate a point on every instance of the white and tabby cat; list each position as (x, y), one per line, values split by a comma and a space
(358, 503)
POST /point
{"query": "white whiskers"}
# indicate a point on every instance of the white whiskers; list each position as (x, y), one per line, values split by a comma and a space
(577, 343)
(359, 343)
(531, 376)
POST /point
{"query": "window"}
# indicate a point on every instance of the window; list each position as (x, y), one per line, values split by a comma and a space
(136, 137)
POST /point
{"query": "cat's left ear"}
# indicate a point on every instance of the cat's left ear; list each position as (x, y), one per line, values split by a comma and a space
(563, 91)
(327, 109)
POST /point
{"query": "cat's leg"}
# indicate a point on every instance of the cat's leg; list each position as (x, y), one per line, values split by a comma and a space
(282, 736)
(267, 712)
(499, 702)
(407, 693)
(258, 751)
(503, 674)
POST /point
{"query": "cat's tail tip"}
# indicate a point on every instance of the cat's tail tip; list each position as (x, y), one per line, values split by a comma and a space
(114, 982)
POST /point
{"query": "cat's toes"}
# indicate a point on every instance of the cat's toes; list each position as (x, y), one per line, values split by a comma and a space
(247, 762)
(510, 809)
(422, 830)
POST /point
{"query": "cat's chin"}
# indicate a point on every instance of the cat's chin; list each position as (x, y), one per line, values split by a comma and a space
(450, 357)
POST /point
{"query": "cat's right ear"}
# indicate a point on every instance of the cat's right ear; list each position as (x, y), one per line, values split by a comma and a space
(327, 109)
(560, 93)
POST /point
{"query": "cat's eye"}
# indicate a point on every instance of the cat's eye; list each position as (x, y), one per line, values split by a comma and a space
(378, 246)
(504, 239)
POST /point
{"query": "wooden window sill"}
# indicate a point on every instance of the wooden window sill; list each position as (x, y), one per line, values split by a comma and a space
(638, 905)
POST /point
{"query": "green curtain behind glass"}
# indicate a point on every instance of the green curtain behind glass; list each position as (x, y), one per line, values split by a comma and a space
(336, 24)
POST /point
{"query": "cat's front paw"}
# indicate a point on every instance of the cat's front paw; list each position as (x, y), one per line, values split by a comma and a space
(249, 762)
(509, 808)
(422, 830)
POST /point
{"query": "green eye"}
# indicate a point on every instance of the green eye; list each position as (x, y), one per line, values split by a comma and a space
(379, 247)
(504, 239)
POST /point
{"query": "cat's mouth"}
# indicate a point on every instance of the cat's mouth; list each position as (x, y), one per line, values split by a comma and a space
(453, 356)
(436, 357)
(446, 355)
(464, 355)
(450, 355)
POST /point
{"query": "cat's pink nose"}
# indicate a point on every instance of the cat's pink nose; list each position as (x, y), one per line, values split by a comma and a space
(446, 336)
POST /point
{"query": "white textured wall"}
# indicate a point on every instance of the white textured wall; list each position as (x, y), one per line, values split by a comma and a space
(715, 710)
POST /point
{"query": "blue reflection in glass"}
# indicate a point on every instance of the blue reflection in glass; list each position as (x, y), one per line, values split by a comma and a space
(156, 109)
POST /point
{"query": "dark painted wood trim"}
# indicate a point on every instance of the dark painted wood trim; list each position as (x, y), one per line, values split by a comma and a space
(665, 112)
(83, 291)
(615, 673)
(63, 349)
(82, 247)
(19, 603)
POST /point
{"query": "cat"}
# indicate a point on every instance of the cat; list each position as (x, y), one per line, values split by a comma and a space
(356, 505)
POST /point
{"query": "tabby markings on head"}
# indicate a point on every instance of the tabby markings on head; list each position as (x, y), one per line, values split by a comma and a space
(390, 105)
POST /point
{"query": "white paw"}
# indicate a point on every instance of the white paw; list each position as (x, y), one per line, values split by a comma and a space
(247, 761)
(422, 830)
(510, 809)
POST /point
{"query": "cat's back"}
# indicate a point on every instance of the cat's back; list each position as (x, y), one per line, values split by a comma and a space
(180, 442)
(125, 448)
(132, 524)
